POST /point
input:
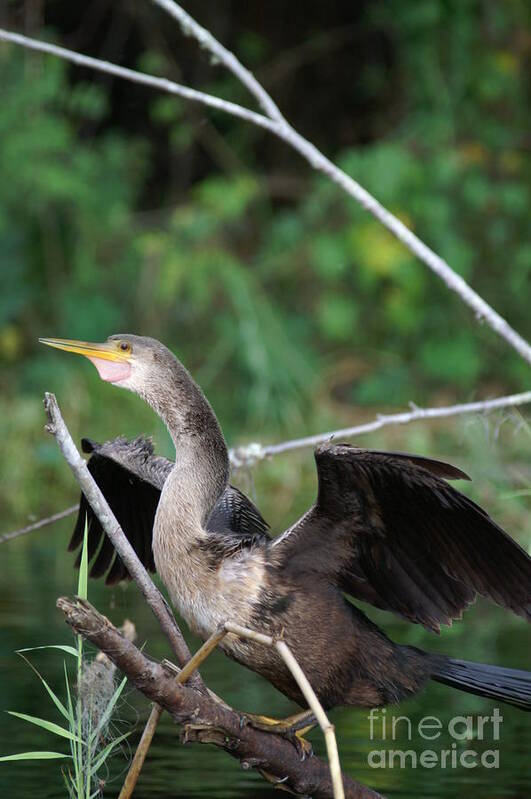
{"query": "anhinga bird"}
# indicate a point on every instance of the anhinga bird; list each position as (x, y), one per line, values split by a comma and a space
(386, 528)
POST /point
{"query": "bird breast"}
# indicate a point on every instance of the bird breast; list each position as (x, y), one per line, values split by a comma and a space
(205, 594)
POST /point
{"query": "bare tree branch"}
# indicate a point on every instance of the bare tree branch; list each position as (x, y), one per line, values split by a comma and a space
(162, 84)
(220, 53)
(251, 453)
(154, 598)
(206, 720)
(277, 124)
(298, 675)
(321, 163)
(55, 517)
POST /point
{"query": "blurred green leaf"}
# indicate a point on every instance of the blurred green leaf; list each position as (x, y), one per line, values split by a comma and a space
(47, 725)
(456, 359)
(33, 756)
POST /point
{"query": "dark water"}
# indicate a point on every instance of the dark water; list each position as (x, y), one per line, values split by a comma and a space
(35, 571)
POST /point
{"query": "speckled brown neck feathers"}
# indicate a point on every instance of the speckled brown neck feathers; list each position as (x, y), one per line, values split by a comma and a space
(168, 387)
(192, 488)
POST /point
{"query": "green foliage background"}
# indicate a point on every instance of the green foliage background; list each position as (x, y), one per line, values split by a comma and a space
(294, 309)
(124, 210)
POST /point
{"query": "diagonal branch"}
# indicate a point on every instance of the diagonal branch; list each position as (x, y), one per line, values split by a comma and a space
(298, 675)
(247, 455)
(154, 598)
(321, 163)
(277, 124)
(220, 53)
(162, 84)
(55, 517)
(205, 720)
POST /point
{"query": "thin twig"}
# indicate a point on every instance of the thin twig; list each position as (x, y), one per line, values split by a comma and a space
(248, 454)
(162, 84)
(190, 27)
(204, 719)
(154, 717)
(482, 310)
(298, 674)
(57, 427)
(317, 709)
(321, 163)
(308, 693)
(277, 125)
(39, 524)
(141, 751)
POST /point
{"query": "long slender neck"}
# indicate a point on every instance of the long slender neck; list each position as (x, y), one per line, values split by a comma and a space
(201, 467)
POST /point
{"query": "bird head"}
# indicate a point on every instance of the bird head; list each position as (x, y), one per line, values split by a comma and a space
(148, 368)
(128, 361)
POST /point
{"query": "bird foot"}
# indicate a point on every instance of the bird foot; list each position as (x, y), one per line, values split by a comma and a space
(293, 729)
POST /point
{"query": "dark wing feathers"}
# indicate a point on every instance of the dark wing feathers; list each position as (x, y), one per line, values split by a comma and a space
(390, 531)
(136, 456)
(233, 508)
(438, 468)
(131, 478)
(133, 501)
(386, 527)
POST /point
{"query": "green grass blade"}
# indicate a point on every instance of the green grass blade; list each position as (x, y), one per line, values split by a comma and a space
(108, 710)
(78, 763)
(47, 725)
(64, 647)
(81, 763)
(82, 584)
(53, 696)
(73, 784)
(71, 717)
(33, 756)
(524, 492)
(55, 699)
(68, 698)
(104, 754)
(65, 780)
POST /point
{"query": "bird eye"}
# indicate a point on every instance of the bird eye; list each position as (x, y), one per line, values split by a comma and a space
(125, 346)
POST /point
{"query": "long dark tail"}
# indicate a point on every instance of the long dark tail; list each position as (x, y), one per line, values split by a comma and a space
(508, 685)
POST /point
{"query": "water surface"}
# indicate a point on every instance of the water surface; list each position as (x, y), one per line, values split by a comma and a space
(36, 570)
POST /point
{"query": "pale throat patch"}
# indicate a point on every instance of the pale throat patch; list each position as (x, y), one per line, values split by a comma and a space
(111, 371)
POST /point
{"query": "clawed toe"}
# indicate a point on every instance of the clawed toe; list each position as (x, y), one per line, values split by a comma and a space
(303, 747)
(290, 729)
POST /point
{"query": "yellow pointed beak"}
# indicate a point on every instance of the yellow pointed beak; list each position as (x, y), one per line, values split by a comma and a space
(108, 351)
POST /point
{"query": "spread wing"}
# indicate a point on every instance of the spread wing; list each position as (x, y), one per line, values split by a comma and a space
(388, 529)
(131, 478)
